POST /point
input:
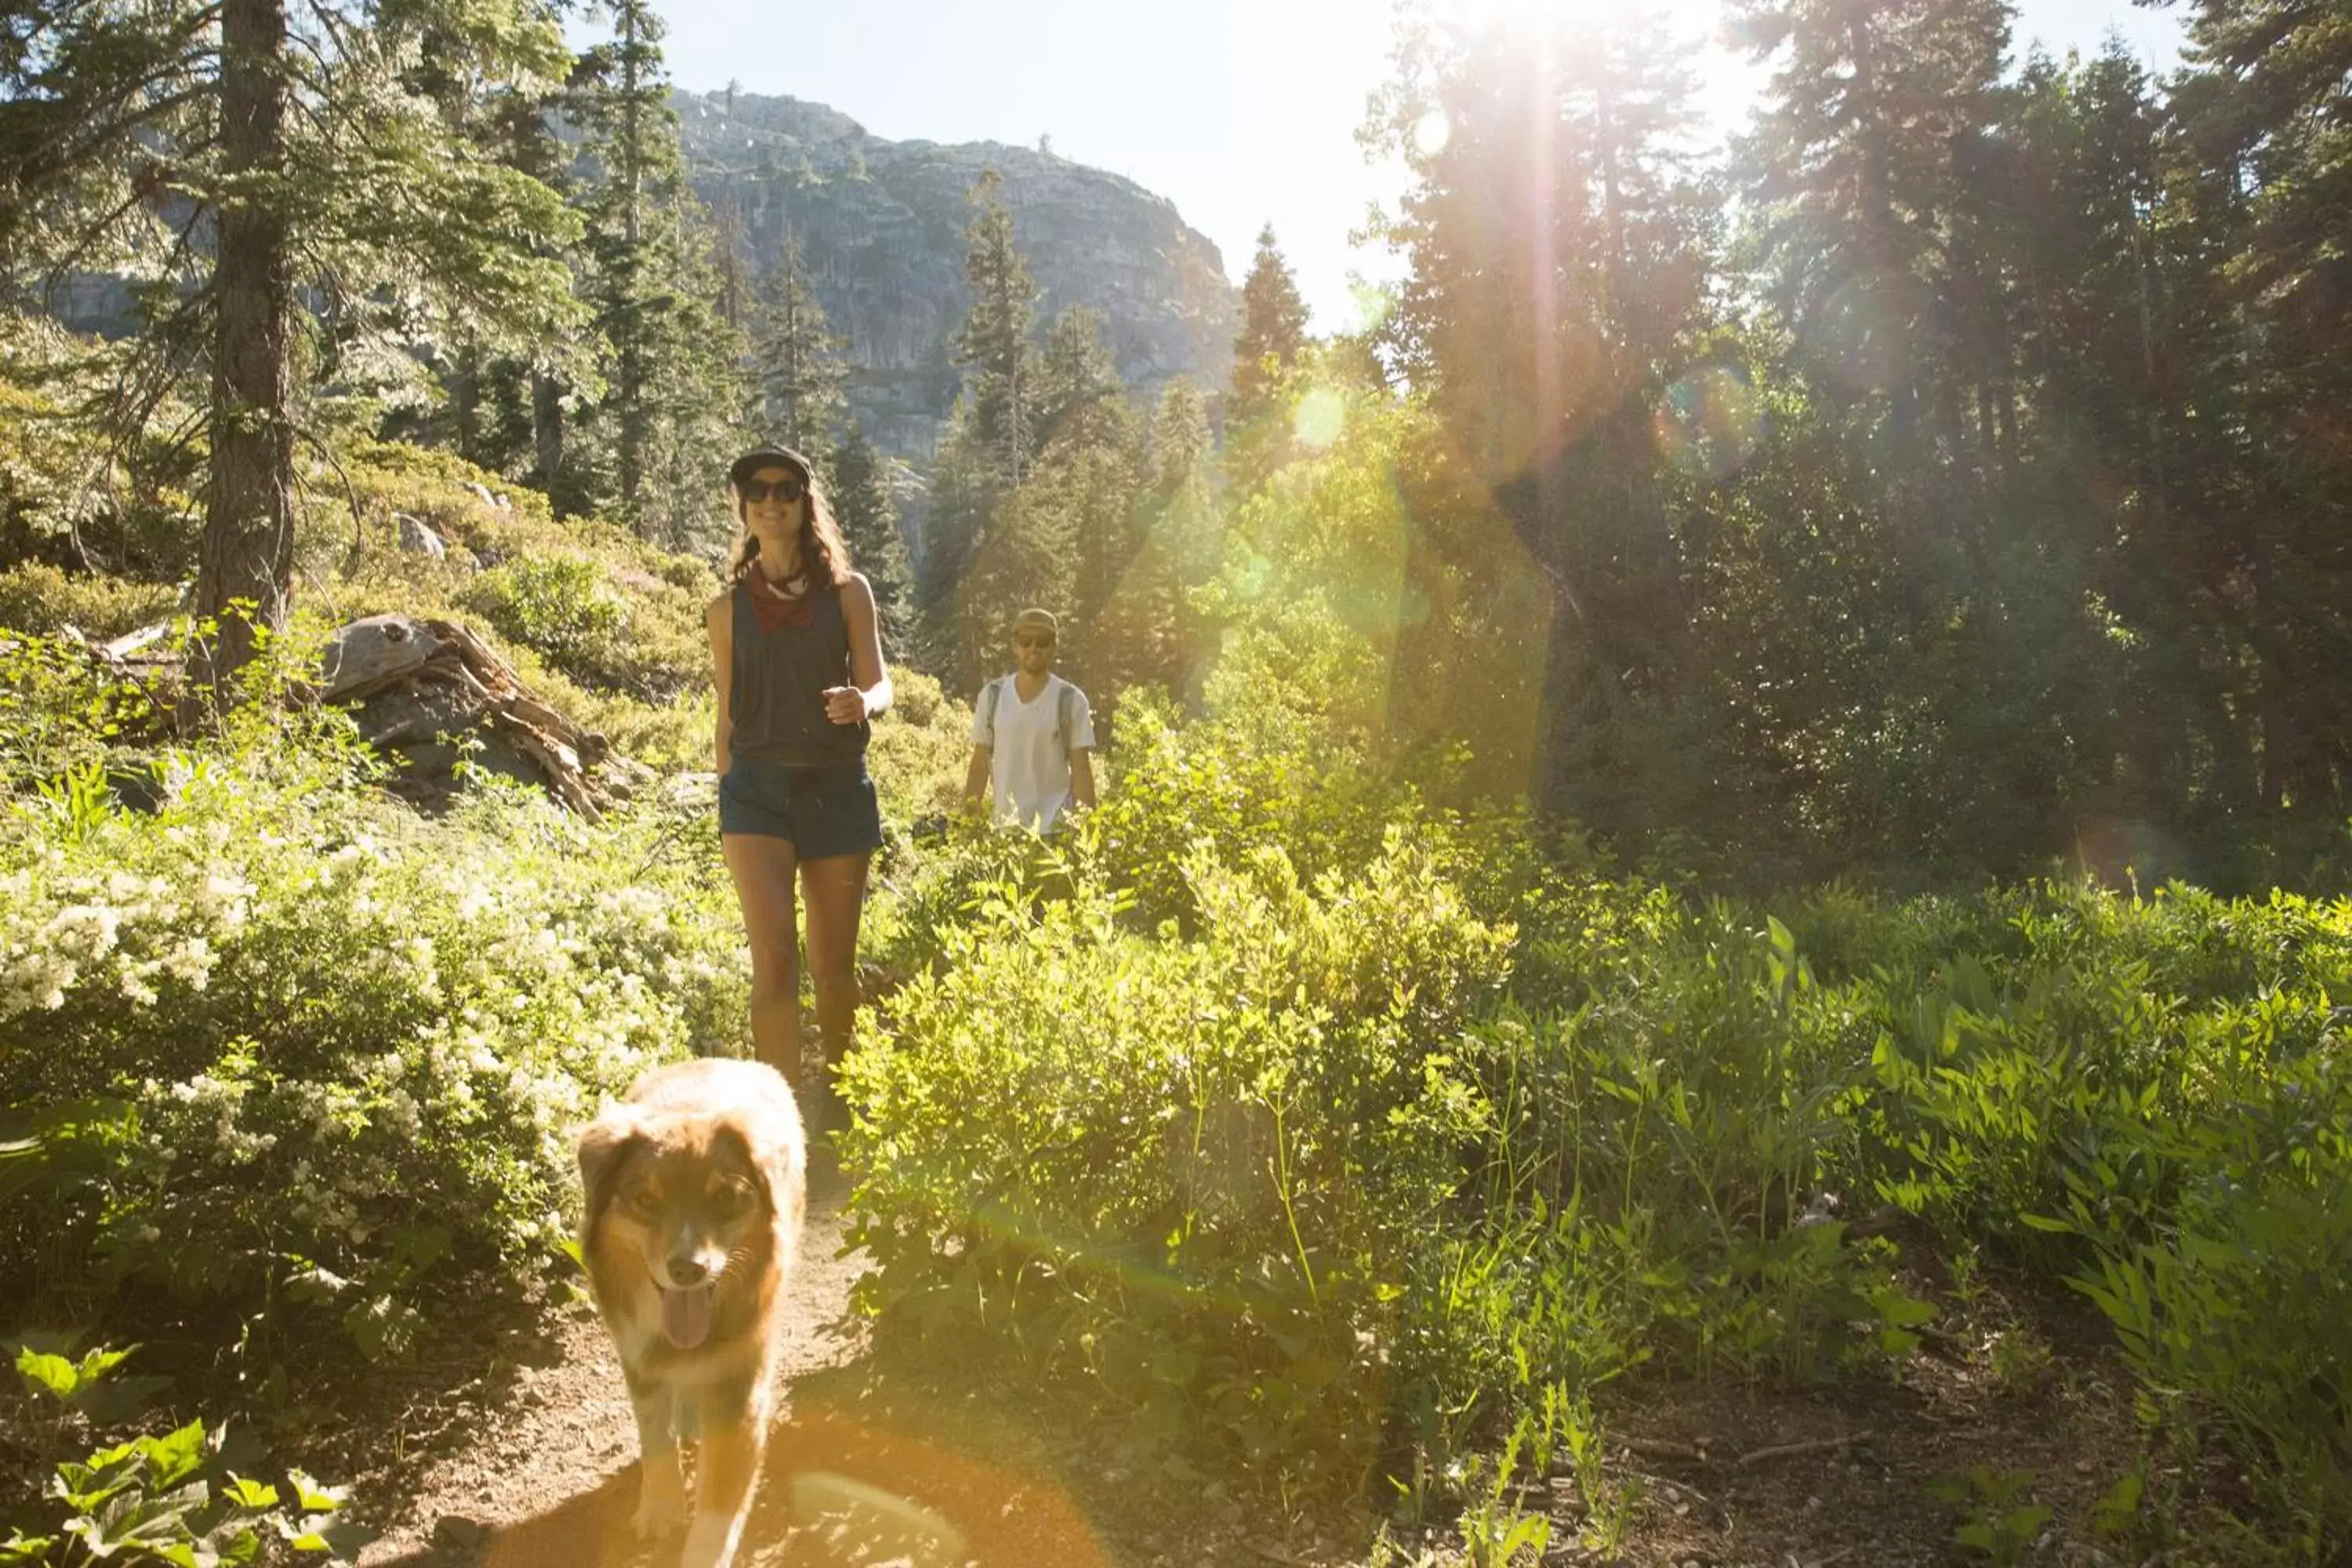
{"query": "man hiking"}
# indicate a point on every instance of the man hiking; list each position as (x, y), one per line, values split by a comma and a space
(1031, 735)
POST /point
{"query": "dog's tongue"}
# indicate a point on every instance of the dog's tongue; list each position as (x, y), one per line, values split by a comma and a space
(686, 1316)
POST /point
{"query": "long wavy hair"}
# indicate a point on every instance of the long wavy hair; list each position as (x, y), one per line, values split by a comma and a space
(825, 555)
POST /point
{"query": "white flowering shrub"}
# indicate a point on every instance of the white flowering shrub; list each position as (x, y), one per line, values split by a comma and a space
(280, 1039)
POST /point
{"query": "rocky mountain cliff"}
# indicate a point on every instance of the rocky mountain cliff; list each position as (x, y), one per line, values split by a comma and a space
(881, 230)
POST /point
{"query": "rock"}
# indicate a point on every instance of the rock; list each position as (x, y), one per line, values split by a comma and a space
(1822, 1210)
(624, 779)
(459, 1533)
(370, 653)
(417, 538)
(881, 228)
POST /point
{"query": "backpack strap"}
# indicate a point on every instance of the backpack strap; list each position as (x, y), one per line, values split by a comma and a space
(1062, 726)
(989, 696)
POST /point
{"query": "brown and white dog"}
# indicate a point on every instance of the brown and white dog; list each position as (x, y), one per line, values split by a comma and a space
(696, 1188)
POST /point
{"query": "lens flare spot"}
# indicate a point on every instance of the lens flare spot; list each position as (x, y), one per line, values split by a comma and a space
(1430, 133)
(1709, 421)
(1862, 330)
(886, 1526)
(1319, 420)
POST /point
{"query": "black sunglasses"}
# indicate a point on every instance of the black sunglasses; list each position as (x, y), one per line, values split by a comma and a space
(789, 487)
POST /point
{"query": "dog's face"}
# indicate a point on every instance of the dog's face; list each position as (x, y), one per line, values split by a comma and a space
(680, 1205)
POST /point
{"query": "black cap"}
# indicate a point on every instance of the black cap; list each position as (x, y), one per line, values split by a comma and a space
(768, 456)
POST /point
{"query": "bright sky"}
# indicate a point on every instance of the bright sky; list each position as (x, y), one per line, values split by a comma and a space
(1239, 111)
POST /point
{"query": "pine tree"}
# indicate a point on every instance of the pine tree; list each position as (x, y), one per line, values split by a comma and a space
(993, 341)
(1156, 634)
(869, 515)
(673, 387)
(1273, 328)
(798, 360)
(318, 198)
(991, 437)
(1077, 381)
(1859, 174)
(503, 407)
(1274, 331)
(728, 244)
(1560, 247)
(2264, 157)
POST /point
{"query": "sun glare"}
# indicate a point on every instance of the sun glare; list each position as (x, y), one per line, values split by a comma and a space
(1565, 20)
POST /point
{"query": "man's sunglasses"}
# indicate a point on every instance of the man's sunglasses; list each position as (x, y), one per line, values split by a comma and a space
(787, 488)
(1032, 640)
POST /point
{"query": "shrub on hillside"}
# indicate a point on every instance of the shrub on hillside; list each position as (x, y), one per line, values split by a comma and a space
(37, 597)
(561, 606)
(610, 612)
(343, 1047)
(1213, 1162)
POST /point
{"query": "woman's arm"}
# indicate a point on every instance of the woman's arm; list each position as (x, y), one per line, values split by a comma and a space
(868, 693)
(720, 618)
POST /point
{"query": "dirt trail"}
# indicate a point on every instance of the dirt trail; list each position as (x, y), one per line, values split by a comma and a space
(539, 1465)
(534, 1461)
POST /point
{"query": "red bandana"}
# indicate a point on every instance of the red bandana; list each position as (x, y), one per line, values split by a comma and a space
(776, 608)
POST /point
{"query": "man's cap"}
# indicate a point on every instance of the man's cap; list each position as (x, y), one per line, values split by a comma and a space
(768, 456)
(1038, 618)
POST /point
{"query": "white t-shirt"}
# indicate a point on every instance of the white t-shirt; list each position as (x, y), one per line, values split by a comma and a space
(1030, 767)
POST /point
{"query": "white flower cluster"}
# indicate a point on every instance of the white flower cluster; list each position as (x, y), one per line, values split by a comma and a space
(64, 930)
(420, 1018)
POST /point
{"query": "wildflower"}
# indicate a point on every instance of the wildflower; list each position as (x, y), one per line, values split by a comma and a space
(87, 930)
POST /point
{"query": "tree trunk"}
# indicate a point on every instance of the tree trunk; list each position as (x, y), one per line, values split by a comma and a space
(547, 432)
(632, 419)
(248, 545)
(466, 403)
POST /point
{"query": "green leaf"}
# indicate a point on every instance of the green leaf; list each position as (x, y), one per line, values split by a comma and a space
(312, 1497)
(2117, 1513)
(248, 1493)
(175, 1456)
(50, 1374)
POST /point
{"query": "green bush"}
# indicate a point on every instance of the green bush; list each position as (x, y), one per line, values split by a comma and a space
(1120, 1077)
(343, 1046)
(561, 606)
(36, 598)
(1191, 1174)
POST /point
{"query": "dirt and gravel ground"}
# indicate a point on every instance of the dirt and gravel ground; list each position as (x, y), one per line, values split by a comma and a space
(531, 1459)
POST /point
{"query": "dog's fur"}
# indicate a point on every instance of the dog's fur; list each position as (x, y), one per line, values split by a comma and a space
(700, 1174)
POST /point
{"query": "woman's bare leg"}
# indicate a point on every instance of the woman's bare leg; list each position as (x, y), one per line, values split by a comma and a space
(762, 868)
(835, 889)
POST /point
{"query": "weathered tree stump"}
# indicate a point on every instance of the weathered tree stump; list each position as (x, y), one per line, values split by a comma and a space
(427, 689)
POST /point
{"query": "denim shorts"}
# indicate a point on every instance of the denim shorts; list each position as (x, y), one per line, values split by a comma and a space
(823, 811)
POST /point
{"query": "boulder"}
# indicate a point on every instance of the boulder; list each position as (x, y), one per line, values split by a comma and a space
(416, 538)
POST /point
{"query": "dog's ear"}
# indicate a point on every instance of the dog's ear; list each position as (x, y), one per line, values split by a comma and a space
(604, 1145)
(770, 1146)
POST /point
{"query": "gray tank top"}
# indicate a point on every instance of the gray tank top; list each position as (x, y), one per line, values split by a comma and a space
(776, 683)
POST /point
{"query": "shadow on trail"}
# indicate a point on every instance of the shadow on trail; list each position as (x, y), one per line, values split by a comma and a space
(839, 1486)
